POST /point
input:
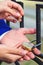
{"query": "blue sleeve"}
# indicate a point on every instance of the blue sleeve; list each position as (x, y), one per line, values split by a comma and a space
(3, 27)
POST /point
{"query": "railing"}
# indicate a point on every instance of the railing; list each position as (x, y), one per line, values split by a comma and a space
(38, 24)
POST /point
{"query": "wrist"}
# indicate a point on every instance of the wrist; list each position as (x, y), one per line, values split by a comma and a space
(3, 35)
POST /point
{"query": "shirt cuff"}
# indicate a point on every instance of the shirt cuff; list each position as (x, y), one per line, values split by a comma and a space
(3, 35)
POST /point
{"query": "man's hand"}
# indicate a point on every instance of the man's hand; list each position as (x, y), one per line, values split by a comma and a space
(10, 55)
(15, 38)
(10, 10)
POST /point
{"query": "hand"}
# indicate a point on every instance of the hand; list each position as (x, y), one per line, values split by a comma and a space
(15, 38)
(9, 10)
(10, 55)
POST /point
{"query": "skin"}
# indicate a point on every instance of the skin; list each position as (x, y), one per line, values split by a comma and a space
(10, 55)
(10, 42)
(10, 11)
(15, 38)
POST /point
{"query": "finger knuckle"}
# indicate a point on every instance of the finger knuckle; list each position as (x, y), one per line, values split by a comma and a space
(19, 6)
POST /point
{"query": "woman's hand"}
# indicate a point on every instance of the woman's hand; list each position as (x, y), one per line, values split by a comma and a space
(10, 10)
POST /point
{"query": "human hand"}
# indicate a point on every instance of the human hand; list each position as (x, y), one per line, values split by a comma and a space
(15, 38)
(10, 10)
(10, 55)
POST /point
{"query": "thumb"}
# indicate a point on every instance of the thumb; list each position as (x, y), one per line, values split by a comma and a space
(17, 51)
(9, 58)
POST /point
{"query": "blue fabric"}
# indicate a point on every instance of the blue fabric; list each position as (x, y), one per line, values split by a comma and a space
(3, 27)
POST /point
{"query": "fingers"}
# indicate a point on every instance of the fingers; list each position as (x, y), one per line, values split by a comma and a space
(12, 6)
(11, 58)
(31, 55)
(12, 12)
(12, 19)
(26, 57)
(17, 7)
(36, 51)
(28, 31)
(17, 51)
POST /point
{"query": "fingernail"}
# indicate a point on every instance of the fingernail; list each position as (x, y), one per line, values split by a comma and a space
(18, 14)
(27, 58)
(32, 56)
(36, 51)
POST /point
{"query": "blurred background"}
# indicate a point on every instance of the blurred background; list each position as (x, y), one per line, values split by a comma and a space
(29, 22)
